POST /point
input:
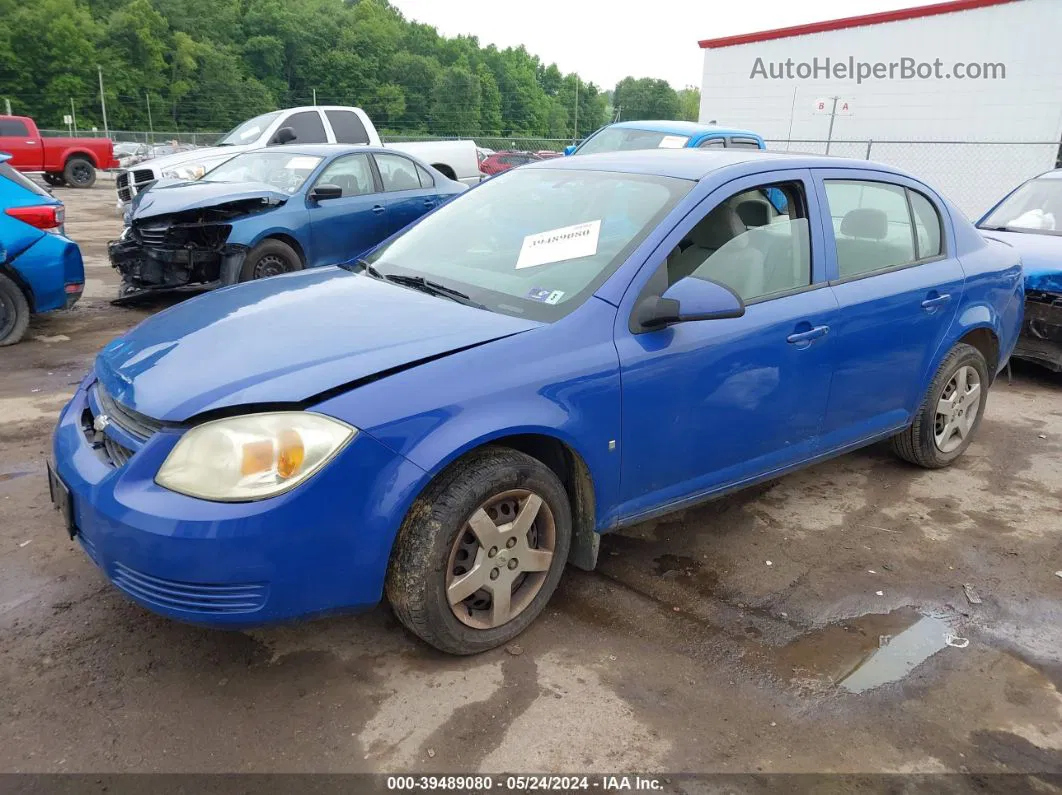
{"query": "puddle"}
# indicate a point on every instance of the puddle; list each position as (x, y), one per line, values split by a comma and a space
(869, 651)
(676, 566)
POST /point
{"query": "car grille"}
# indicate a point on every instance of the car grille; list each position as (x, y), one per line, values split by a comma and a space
(152, 236)
(116, 453)
(130, 183)
(132, 422)
(190, 597)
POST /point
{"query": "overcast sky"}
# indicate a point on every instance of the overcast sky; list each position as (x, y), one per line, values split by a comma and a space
(604, 44)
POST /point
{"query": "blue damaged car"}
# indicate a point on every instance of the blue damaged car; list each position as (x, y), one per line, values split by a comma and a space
(1030, 219)
(574, 346)
(41, 269)
(271, 211)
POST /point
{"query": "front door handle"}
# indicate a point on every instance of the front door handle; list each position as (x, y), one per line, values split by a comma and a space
(935, 301)
(807, 336)
(429, 203)
(379, 208)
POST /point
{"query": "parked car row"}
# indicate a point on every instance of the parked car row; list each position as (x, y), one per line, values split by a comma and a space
(451, 418)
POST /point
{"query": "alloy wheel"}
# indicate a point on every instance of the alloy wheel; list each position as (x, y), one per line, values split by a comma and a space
(500, 559)
(957, 409)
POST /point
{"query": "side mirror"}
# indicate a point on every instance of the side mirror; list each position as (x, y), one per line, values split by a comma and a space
(326, 191)
(568, 150)
(285, 135)
(687, 300)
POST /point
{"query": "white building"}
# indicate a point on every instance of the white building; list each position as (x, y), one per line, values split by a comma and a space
(961, 74)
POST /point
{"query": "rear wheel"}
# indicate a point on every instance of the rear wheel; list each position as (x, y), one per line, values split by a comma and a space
(54, 179)
(480, 552)
(269, 258)
(950, 415)
(14, 312)
(79, 173)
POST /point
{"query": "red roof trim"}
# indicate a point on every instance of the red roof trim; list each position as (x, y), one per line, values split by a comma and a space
(852, 22)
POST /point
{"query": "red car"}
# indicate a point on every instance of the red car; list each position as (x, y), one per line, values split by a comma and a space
(70, 161)
(503, 161)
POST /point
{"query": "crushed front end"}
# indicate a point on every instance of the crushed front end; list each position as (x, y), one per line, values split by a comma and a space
(171, 252)
(1041, 331)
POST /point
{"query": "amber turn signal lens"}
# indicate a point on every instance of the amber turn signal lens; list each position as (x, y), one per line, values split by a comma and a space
(290, 454)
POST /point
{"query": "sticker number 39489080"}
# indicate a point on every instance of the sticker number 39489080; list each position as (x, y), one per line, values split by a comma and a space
(557, 245)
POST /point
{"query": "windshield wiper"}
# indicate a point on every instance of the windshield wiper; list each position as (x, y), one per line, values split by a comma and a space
(433, 288)
(367, 267)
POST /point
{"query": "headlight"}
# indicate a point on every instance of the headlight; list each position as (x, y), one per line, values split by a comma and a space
(187, 171)
(252, 457)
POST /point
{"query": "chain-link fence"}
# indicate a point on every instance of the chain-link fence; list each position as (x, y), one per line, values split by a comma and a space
(974, 175)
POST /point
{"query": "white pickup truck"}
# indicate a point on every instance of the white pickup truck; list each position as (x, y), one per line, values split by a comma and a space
(318, 124)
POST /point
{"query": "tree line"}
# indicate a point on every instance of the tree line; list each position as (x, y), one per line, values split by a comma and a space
(209, 64)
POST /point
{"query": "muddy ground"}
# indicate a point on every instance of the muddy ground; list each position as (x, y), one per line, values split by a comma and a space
(816, 624)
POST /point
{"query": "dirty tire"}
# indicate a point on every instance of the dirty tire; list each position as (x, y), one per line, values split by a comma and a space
(54, 179)
(14, 312)
(416, 576)
(269, 258)
(917, 444)
(79, 173)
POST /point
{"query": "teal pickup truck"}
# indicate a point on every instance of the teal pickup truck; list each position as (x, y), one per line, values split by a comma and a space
(627, 135)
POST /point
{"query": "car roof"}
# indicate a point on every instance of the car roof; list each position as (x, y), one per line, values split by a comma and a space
(695, 164)
(1055, 174)
(690, 128)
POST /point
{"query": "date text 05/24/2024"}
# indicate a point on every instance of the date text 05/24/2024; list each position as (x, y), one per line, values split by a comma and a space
(530, 783)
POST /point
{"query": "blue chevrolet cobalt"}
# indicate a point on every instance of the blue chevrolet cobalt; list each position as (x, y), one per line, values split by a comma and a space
(571, 347)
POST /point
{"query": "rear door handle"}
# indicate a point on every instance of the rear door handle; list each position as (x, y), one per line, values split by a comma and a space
(379, 208)
(933, 303)
(808, 336)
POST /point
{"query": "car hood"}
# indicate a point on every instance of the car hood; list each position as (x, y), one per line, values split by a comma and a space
(166, 197)
(1041, 258)
(192, 156)
(286, 339)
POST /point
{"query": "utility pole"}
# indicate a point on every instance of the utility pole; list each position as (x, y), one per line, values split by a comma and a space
(315, 97)
(833, 116)
(103, 103)
(151, 128)
(7, 105)
(73, 115)
(575, 131)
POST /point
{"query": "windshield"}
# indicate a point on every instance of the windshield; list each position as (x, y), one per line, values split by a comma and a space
(625, 139)
(1034, 207)
(249, 131)
(283, 170)
(533, 242)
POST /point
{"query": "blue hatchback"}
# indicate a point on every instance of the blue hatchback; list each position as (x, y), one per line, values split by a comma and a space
(40, 268)
(571, 347)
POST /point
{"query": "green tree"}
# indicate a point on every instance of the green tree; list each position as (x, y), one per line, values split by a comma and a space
(689, 103)
(645, 98)
(457, 100)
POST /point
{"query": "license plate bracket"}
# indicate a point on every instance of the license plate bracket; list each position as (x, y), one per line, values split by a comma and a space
(62, 500)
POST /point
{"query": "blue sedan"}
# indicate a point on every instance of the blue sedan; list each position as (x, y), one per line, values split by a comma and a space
(40, 268)
(272, 211)
(573, 346)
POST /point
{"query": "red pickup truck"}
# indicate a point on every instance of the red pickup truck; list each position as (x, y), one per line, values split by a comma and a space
(69, 161)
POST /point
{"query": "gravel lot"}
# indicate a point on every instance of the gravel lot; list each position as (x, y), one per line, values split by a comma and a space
(726, 638)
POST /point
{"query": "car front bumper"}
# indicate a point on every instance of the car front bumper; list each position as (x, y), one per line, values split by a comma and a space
(1041, 331)
(322, 547)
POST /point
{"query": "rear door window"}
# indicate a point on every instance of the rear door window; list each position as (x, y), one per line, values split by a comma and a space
(711, 143)
(347, 127)
(871, 225)
(397, 173)
(426, 179)
(736, 142)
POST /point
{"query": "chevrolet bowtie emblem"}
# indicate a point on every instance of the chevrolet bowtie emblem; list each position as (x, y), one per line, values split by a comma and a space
(100, 423)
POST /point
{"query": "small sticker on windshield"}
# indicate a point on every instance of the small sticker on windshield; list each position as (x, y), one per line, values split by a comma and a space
(672, 142)
(544, 296)
(302, 163)
(557, 245)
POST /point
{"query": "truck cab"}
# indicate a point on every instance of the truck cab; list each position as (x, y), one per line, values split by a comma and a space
(630, 135)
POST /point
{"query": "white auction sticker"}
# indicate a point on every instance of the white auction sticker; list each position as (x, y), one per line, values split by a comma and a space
(302, 163)
(671, 142)
(557, 245)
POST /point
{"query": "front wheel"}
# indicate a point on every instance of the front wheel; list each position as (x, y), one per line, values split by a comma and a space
(949, 417)
(54, 179)
(269, 258)
(79, 173)
(480, 552)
